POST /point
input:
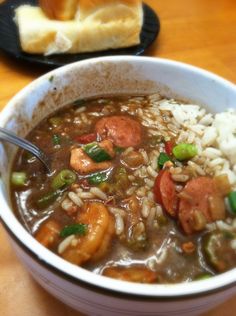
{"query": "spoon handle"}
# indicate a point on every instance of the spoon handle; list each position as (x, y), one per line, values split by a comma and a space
(10, 137)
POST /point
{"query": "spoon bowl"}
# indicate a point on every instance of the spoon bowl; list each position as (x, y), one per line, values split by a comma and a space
(10, 137)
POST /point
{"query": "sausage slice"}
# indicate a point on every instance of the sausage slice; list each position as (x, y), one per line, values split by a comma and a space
(164, 192)
(195, 204)
(122, 130)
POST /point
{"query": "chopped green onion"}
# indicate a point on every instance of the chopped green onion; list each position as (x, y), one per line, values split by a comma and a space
(51, 78)
(56, 139)
(98, 178)
(63, 179)
(79, 102)
(232, 201)
(18, 178)
(55, 121)
(119, 150)
(203, 276)
(184, 151)
(95, 152)
(162, 159)
(74, 229)
(48, 198)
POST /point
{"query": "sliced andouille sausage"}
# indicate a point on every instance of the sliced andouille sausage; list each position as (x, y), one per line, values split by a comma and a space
(122, 130)
(165, 193)
(196, 207)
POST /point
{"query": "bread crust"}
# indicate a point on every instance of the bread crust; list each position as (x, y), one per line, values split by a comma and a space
(61, 10)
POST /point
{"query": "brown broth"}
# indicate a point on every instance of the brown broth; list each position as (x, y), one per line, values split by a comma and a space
(162, 250)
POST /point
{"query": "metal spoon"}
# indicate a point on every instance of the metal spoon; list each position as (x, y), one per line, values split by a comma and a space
(10, 137)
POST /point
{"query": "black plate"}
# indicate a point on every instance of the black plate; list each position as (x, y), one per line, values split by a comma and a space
(9, 40)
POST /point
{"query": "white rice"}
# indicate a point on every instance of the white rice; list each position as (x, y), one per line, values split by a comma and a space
(117, 210)
(119, 224)
(98, 193)
(75, 198)
(209, 136)
(80, 109)
(180, 177)
(196, 167)
(65, 244)
(225, 124)
(212, 152)
(66, 204)
(145, 156)
(149, 183)
(85, 195)
(151, 172)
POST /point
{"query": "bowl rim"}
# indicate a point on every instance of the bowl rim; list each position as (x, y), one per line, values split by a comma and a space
(81, 276)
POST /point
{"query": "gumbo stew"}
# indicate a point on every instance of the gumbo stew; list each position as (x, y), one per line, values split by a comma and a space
(140, 190)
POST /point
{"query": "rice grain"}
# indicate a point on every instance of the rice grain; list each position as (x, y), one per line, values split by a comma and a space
(75, 198)
(65, 244)
(98, 193)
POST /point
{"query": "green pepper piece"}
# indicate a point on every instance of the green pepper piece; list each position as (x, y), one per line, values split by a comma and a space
(232, 201)
(95, 152)
(162, 159)
(185, 151)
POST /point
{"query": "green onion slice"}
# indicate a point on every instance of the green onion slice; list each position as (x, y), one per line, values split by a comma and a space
(162, 159)
(98, 178)
(232, 201)
(56, 139)
(185, 151)
(63, 179)
(95, 152)
(18, 178)
(47, 199)
(74, 229)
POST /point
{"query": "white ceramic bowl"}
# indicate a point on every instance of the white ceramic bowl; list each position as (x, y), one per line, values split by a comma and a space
(87, 292)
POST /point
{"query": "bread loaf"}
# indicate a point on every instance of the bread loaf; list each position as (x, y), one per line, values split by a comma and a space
(97, 25)
(59, 9)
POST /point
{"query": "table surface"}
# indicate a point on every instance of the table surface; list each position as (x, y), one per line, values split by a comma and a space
(198, 32)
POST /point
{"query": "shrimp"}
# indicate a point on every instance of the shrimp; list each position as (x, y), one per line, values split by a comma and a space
(95, 243)
(131, 274)
(83, 164)
(48, 234)
(108, 146)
